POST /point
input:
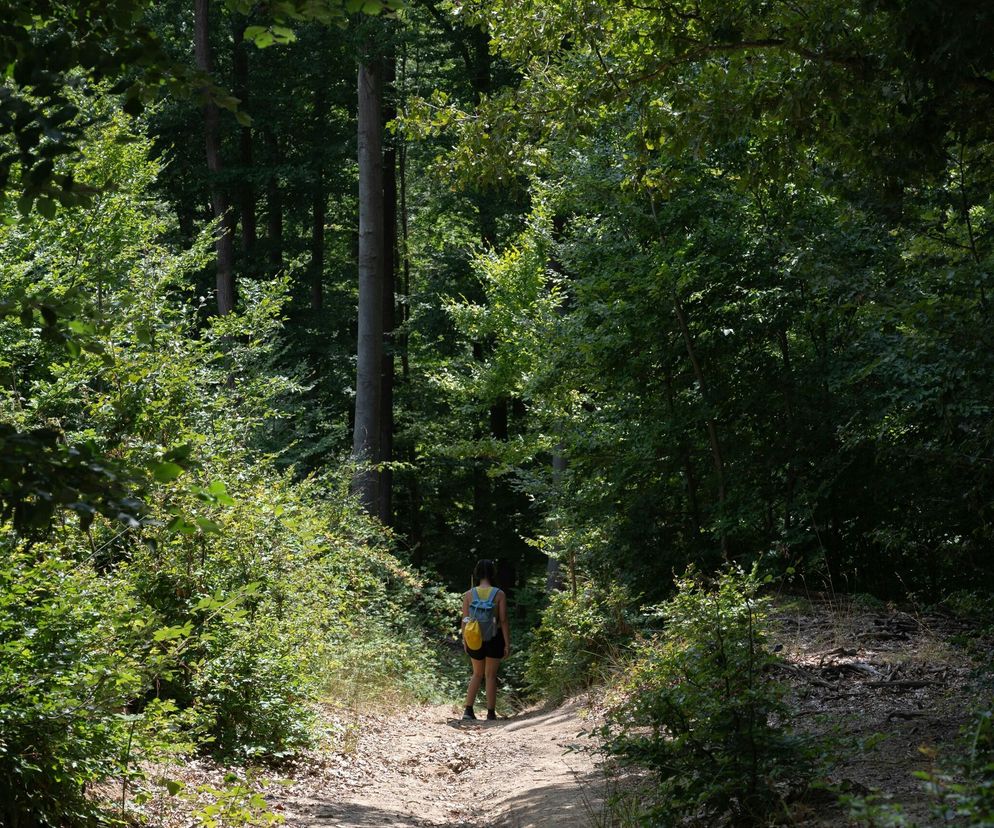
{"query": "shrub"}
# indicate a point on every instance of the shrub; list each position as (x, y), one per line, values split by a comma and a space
(576, 636)
(699, 709)
(252, 693)
(68, 665)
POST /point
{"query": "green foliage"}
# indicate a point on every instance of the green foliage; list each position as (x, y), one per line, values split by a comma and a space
(577, 638)
(72, 651)
(211, 619)
(965, 792)
(699, 709)
(235, 805)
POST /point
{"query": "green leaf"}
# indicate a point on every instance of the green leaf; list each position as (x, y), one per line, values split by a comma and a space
(219, 492)
(208, 525)
(166, 471)
(283, 35)
(72, 346)
(172, 633)
(264, 39)
(46, 207)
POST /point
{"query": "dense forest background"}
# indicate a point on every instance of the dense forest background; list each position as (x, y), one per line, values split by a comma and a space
(599, 290)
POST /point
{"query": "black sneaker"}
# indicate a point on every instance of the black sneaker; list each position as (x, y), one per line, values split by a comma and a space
(468, 714)
(491, 716)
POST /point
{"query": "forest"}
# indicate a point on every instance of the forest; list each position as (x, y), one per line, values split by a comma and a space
(677, 312)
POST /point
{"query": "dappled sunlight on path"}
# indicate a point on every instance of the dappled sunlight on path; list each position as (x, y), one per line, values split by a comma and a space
(425, 767)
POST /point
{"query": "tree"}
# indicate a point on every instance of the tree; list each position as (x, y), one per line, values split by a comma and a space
(224, 241)
(369, 342)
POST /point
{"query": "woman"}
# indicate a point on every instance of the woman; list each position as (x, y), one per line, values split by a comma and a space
(487, 658)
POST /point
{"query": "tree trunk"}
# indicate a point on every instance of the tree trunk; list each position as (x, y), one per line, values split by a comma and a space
(319, 206)
(791, 437)
(369, 345)
(389, 288)
(317, 246)
(212, 140)
(686, 459)
(405, 287)
(274, 208)
(553, 566)
(246, 192)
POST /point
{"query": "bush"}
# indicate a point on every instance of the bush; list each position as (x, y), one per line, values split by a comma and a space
(68, 665)
(252, 694)
(576, 636)
(699, 709)
(217, 616)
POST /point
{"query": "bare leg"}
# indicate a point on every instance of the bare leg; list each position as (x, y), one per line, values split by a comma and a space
(475, 681)
(492, 666)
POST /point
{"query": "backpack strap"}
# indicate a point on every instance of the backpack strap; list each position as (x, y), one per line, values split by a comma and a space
(475, 593)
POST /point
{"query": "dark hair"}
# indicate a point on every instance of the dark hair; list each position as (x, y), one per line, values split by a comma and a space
(485, 569)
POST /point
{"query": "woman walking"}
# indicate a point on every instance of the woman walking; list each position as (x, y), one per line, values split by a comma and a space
(486, 634)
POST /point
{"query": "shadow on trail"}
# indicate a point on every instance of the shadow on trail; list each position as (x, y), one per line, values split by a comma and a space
(356, 815)
(578, 803)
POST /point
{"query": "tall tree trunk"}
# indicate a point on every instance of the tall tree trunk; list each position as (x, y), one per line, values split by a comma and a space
(389, 289)
(686, 459)
(319, 205)
(317, 245)
(369, 344)
(405, 286)
(791, 438)
(246, 192)
(212, 140)
(553, 566)
(484, 488)
(274, 208)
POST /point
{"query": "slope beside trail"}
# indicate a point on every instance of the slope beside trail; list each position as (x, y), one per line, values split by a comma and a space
(424, 767)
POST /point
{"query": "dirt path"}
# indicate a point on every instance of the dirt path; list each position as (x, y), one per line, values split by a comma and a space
(424, 767)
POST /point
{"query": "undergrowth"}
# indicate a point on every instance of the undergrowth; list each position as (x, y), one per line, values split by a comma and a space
(699, 710)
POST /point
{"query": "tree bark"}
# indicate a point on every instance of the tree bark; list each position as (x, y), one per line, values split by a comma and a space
(385, 498)
(274, 207)
(553, 566)
(686, 459)
(319, 205)
(405, 287)
(317, 246)
(246, 192)
(369, 345)
(223, 243)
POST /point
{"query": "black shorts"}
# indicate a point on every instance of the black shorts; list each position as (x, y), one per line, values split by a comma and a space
(494, 648)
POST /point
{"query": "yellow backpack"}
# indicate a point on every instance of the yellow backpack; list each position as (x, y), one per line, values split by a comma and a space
(481, 623)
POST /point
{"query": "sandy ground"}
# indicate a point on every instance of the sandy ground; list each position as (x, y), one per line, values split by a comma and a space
(424, 767)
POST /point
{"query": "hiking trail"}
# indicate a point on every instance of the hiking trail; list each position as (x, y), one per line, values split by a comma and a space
(423, 767)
